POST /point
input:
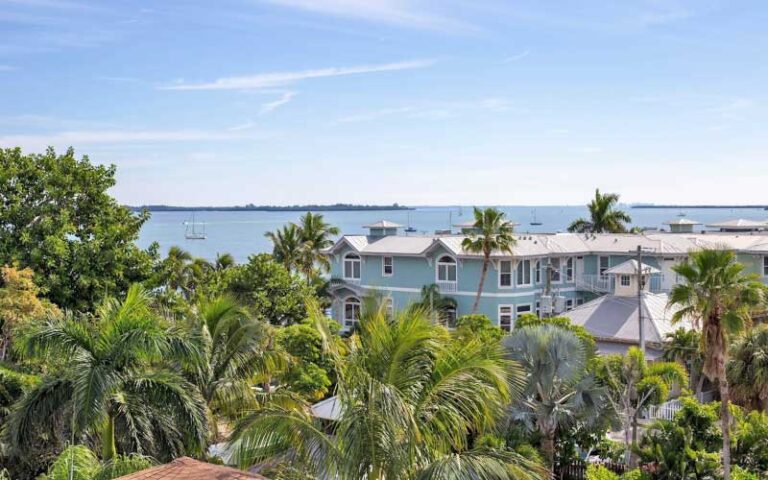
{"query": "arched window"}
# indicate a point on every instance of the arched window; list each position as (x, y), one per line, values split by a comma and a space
(352, 266)
(351, 312)
(446, 269)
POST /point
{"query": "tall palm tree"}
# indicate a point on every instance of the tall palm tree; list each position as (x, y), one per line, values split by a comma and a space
(492, 233)
(747, 369)
(315, 236)
(718, 297)
(603, 216)
(237, 352)
(559, 391)
(117, 381)
(684, 346)
(409, 399)
(286, 246)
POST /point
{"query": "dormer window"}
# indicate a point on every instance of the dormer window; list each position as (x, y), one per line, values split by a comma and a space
(352, 266)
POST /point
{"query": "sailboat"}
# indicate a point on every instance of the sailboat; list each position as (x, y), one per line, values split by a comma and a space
(409, 228)
(191, 233)
(535, 222)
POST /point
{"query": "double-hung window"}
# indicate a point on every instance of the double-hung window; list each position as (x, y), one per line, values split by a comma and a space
(569, 270)
(352, 266)
(554, 267)
(387, 266)
(351, 312)
(602, 265)
(505, 273)
(537, 271)
(506, 319)
(523, 273)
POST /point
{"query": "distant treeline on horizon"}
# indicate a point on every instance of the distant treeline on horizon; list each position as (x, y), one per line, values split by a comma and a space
(644, 205)
(269, 208)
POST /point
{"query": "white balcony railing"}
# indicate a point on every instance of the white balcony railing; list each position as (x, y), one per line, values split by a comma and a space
(447, 287)
(606, 283)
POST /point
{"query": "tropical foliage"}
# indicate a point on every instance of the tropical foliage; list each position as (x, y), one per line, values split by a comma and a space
(747, 368)
(684, 346)
(603, 216)
(718, 297)
(299, 246)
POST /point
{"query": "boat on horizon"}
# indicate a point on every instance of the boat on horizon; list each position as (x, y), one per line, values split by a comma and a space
(535, 222)
(191, 233)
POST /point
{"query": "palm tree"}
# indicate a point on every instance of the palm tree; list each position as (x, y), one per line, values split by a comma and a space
(175, 268)
(604, 218)
(718, 297)
(440, 308)
(115, 380)
(315, 236)
(684, 346)
(223, 262)
(747, 369)
(409, 400)
(78, 462)
(559, 392)
(286, 245)
(494, 234)
(237, 353)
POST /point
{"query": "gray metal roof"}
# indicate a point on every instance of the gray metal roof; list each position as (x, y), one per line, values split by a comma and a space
(383, 224)
(682, 221)
(630, 268)
(739, 223)
(328, 409)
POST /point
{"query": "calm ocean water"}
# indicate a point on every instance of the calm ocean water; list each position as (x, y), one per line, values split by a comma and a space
(242, 233)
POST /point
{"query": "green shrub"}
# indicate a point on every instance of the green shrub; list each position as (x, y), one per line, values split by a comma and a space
(739, 473)
(599, 472)
(636, 474)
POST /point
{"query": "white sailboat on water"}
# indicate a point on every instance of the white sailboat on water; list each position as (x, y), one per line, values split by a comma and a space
(193, 233)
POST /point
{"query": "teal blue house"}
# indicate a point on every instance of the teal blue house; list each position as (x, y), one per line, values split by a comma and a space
(545, 274)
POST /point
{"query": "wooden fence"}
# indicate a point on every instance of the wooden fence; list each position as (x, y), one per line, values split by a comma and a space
(578, 470)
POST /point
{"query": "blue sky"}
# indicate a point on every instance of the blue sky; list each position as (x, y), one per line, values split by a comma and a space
(381, 101)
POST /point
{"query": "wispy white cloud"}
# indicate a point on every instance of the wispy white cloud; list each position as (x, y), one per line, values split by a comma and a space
(517, 57)
(403, 13)
(266, 80)
(271, 106)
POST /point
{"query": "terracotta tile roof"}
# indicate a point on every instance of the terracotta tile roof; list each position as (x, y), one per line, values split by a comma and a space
(186, 468)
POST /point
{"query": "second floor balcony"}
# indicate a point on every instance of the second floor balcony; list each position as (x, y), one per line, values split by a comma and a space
(607, 283)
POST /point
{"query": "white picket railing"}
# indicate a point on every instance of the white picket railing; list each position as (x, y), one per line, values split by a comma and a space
(665, 411)
(447, 287)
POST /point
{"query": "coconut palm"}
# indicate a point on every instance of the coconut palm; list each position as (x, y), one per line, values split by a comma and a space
(223, 262)
(286, 245)
(115, 381)
(559, 392)
(747, 369)
(684, 346)
(315, 236)
(492, 233)
(718, 297)
(237, 353)
(603, 216)
(409, 401)
(78, 462)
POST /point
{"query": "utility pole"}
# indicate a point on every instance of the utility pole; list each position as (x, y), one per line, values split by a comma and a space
(640, 297)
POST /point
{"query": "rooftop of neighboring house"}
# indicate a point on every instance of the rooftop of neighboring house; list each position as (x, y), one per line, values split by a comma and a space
(541, 244)
(185, 468)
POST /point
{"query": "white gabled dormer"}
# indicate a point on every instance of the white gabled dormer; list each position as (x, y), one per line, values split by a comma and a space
(626, 277)
(382, 228)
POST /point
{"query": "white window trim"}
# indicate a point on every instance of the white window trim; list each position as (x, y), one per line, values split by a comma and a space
(344, 311)
(537, 272)
(530, 273)
(511, 275)
(559, 270)
(629, 280)
(383, 263)
(529, 305)
(359, 260)
(512, 316)
(572, 277)
(599, 257)
(437, 269)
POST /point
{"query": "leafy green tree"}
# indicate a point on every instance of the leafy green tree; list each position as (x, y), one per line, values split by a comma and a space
(478, 326)
(269, 291)
(684, 346)
(750, 442)
(747, 368)
(116, 382)
(559, 391)
(718, 297)
(311, 370)
(634, 385)
(603, 216)
(237, 352)
(492, 233)
(532, 320)
(287, 246)
(315, 234)
(409, 401)
(59, 220)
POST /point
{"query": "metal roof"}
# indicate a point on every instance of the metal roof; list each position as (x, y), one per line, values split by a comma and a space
(630, 268)
(383, 224)
(739, 223)
(328, 409)
(682, 221)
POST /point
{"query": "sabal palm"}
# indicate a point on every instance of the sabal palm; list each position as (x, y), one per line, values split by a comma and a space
(603, 216)
(493, 233)
(684, 346)
(286, 246)
(718, 297)
(559, 392)
(116, 382)
(408, 399)
(237, 353)
(747, 369)
(315, 236)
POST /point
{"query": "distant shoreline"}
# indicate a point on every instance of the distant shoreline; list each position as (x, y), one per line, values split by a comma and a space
(764, 207)
(339, 207)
